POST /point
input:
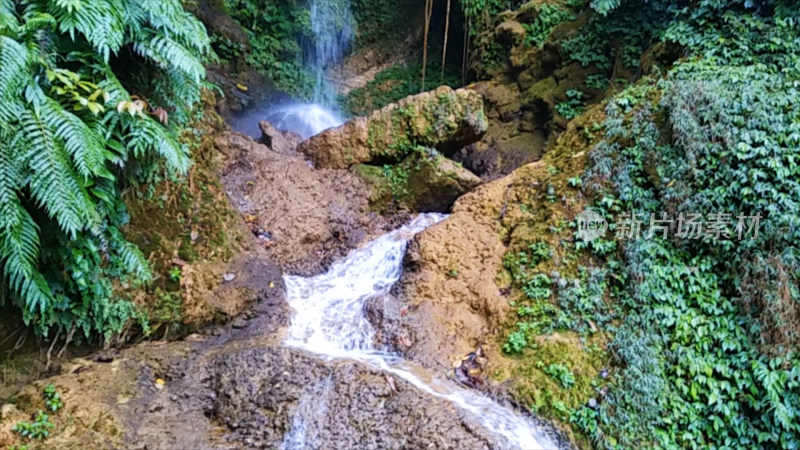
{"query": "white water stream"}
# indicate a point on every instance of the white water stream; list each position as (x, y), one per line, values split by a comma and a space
(329, 320)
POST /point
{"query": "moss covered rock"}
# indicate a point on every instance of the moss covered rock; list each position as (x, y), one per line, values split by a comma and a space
(443, 119)
(424, 181)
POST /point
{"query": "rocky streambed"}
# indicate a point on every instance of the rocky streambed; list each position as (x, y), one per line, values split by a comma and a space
(311, 365)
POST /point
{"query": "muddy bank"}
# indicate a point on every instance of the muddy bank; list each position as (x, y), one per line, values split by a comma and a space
(307, 217)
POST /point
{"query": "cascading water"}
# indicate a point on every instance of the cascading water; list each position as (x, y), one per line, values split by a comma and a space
(332, 25)
(330, 321)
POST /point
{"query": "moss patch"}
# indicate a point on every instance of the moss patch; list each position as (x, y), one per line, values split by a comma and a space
(182, 222)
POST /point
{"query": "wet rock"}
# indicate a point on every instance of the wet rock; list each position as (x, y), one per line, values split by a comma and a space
(469, 371)
(239, 323)
(343, 404)
(425, 181)
(444, 316)
(517, 132)
(219, 292)
(283, 142)
(443, 119)
(511, 32)
(437, 183)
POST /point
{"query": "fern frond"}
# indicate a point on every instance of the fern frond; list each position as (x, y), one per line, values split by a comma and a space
(177, 92)
(14, 73)
(53, 182)
(83, 144)
(97, 20)
(8, 17)
(171, 19)
(604, 7)
(167, 53)
(56, 152)
(133, 259)
(146, 134)
(19, 250)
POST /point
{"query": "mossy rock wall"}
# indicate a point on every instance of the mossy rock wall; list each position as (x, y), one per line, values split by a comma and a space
(443, 119)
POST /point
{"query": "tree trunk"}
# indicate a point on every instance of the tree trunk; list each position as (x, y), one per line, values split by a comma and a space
(446, 34)
(428, 14)
(465, 52)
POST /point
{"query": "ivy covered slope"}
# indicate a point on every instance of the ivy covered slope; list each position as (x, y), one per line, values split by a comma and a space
(690, 342)
(708, 345)
(92, 97)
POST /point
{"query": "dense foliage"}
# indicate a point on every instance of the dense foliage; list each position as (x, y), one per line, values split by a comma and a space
(276, 30)
(704, 331)
(92, 94)
(382, 21)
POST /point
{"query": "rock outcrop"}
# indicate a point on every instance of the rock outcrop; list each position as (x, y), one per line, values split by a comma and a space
(424, 181)
(274, 396)
(241, 390)
(443, 119)
(283, 142)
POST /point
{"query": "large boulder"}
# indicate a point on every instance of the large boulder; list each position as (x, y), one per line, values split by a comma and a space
(283, 142)
(424, 181)
(443, 119)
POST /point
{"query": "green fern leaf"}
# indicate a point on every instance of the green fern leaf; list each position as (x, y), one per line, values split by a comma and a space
(53, 182)
(146, 134)
(604, 7)
(13, 74)
(83, 144)
(167, 53)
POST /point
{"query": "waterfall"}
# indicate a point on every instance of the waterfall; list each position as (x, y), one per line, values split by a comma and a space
(329, 320)
(332, 25)
(332, 28)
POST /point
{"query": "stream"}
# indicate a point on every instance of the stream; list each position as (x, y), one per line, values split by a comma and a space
(329, 320)
(329, 309)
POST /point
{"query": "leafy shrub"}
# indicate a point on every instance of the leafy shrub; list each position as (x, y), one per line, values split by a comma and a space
(708, 343)
(42, 426)
(71, 138)
(52, 398)
(549, 17)
(562, 374)
(597, 82)
(275, 30)
(573, 107)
